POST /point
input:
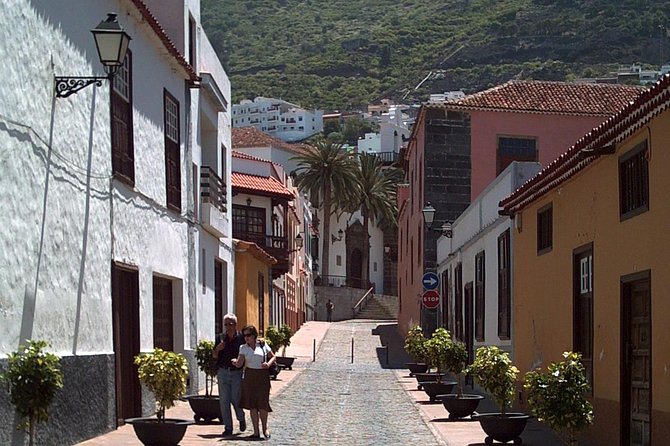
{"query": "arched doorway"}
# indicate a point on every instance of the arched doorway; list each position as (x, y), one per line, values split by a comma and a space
(355, 268)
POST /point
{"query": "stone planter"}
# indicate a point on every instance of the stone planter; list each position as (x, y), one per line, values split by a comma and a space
(416, 367)
(285, 362)
(205, 408)
(151, 432)
(502, 428)
(428, 376)
(460, 407)
(435, 388)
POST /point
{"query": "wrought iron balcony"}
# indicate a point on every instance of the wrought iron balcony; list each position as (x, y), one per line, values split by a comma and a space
(388, 157)
(213, 200)
(276, 246)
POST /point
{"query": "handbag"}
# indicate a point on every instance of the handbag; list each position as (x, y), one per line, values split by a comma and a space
(274, 368)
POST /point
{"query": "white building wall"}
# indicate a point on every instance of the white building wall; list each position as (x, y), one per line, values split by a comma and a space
(477, 229)
(257, 114)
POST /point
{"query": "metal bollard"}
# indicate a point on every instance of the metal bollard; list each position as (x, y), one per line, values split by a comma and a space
(352, 350)
(314, 350)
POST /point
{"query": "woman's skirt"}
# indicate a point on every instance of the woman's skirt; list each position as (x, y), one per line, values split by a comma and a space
(256, 389)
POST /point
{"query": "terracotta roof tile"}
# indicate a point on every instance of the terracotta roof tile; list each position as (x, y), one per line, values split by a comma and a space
(599, 141)
(247, 137)
(163, 36)
(258, 184)
(549, 98)
(244, 156)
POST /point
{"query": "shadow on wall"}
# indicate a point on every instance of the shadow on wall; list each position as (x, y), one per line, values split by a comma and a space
(391, 354)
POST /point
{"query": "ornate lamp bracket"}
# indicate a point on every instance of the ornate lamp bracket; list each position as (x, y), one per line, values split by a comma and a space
(68, 85)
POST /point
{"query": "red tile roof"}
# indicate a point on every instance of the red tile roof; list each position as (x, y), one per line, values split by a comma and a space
(255, 250)
(252, 137)
(244, 156)
(260, 185)
(163, 36)
(599, 141)
(548, 98)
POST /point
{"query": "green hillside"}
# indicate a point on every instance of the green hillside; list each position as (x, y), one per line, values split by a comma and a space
(342, 54)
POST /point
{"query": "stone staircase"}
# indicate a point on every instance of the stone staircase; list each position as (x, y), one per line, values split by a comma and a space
(380, 307)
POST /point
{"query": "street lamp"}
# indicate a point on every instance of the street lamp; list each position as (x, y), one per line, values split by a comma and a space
(334, 239)
(428, 218)
(111, 41)
(298, 243)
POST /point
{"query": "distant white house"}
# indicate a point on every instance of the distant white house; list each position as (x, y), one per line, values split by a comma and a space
(474, 266)
(393, 129)
(115, 233)
(279, 118)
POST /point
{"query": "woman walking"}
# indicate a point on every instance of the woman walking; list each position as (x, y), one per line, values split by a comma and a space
(257, 357)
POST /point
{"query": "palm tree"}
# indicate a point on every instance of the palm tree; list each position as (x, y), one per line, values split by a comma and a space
(326, 170)
(376, 199)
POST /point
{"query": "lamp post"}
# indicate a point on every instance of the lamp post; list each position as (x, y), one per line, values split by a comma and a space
(111, 41)
(429, 217)
(340, 234)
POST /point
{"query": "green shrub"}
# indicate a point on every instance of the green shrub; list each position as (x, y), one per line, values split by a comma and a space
(273, 337)
(437, 348)
(207, 363)
(164, 373)
(286, 333)
(34, 376)
(415, 344)
(557, 396)
(494, 371)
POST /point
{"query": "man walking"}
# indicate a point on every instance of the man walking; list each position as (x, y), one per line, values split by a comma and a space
(229, 377)
(329, 311)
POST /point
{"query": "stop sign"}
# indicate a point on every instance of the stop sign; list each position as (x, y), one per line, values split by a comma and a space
(431, 299)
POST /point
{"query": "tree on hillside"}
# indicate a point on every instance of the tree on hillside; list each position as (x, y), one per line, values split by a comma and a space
(331, 126)
(376, 199)
(355, 128)
(326, 170)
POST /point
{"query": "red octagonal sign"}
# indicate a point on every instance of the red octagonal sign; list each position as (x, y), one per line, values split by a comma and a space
(431, 299)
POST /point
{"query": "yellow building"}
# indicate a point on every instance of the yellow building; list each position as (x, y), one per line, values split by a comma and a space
(591, 270)
(253, 282)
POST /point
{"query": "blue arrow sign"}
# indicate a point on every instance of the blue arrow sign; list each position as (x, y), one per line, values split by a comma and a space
(430, 281)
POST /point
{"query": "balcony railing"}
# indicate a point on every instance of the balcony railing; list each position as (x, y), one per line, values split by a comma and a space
(212, 189)
(388, 157)
(276, 246)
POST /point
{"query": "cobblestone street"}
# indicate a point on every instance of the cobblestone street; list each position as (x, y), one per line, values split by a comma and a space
(336, 402)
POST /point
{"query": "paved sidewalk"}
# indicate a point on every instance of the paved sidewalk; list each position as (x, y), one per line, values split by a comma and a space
(334, 401)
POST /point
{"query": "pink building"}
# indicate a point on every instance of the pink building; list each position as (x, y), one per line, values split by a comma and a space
(458, 147)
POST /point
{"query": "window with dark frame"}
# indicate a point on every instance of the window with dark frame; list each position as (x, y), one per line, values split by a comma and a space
(172, 151)
(480, 278)
(163, 314)
(634, 182)
(123, 151)
(583, 308)
(261, 304)
(458, 302)
(545, 229)
(249, 224)
(445, 283)
(515, 149)
(504, 295)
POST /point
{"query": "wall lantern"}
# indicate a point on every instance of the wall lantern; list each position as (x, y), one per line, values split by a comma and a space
(429, 217)
(111, 41)
(334, 239)
(298, 243)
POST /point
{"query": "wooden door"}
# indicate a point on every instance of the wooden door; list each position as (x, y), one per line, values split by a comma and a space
(636, 360)
(126, 333)
(469, 337)
(163, 322)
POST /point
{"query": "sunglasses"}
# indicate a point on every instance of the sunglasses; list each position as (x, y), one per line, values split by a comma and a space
(229, 324)
(246, 335)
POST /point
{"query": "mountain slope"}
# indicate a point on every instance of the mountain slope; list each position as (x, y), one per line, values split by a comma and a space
(342, 54)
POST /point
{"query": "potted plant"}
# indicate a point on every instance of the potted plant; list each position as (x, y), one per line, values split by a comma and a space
(416, 349)
(206, 407)
(557, 396)
(458, 405)
(34, 376)
(164, 373)
(437, 348)
(274, 339)
(494, 371)
(283, 361)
